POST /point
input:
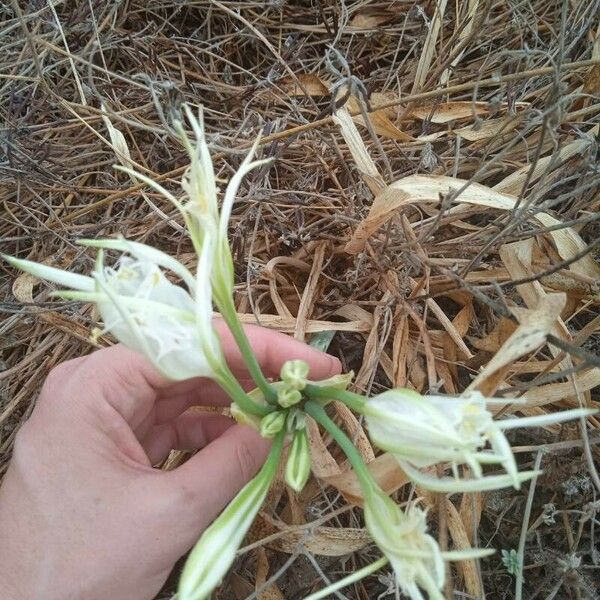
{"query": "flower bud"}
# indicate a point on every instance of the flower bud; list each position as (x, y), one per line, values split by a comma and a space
(287, 397)
(294, 373)
(272, 424)
(297, 468)
(211, 558)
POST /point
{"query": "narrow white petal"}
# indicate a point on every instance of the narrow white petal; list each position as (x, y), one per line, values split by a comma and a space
(450, 485)
(126, 316)
(346, 581)
(130, 302)
(474, 553)
(501, 446)
(549, 419)
(70, 280)
(153, 184)
(231, 192)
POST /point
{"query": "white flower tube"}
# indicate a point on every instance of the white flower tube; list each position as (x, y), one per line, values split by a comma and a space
(212, 556)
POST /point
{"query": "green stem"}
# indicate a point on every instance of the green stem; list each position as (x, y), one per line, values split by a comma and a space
(225, 304)
(354, 401)
(231, 385)
(317, 412)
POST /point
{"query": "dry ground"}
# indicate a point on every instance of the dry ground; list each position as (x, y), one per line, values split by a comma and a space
(418, 287)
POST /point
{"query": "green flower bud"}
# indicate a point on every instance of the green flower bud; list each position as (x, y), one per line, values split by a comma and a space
(297, 468)
(295, 420)
(294, 373)
(288, 397)
(272, 424)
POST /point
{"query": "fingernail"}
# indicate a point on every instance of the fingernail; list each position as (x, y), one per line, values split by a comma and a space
(335, 366)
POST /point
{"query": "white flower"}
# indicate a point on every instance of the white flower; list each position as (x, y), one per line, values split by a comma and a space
(425, 430)
(144, 310)
(402, 536)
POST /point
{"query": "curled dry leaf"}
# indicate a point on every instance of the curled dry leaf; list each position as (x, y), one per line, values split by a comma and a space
(534, 326)
(288, 324)
(357, 148)
(22, 287)
(385, 469)
(381, 120)
(428, 189)
(451, 111)
(513, 184)
(370, 20)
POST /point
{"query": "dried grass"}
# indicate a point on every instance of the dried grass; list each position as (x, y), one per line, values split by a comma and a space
(434, 201)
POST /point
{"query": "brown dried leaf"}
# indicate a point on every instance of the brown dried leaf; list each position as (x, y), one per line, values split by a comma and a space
(380, 120)
(467, 568)
(451, 111)
(262, 570)
(369, 20)
(323, 541)
(592, 81)
(385, 470)
(359, 152)
(313, 85)
(22, 287)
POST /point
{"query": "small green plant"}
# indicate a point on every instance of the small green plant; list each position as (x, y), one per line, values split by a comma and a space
(510, 560)
(172, 327)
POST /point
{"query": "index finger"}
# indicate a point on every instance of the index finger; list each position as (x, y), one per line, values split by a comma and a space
(272, 349)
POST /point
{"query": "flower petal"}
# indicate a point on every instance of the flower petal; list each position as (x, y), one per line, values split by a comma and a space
(65, 278)
(450, 485)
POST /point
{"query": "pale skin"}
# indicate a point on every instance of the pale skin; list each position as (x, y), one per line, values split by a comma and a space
(83, 513)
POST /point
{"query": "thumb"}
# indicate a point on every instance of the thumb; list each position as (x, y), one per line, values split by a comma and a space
(209, 480)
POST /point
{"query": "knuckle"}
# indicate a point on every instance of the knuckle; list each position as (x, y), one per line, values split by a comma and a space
(24, 444)
(57, 375)
(60, 375)
(188, 494)
(245, 460)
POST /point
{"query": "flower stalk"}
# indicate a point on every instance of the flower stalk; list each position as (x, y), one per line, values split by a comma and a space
(228, 312)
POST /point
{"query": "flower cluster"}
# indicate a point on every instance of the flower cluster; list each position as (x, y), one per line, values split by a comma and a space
(171, 326)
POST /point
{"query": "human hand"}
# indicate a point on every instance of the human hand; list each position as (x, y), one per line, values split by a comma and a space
(83, 515)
